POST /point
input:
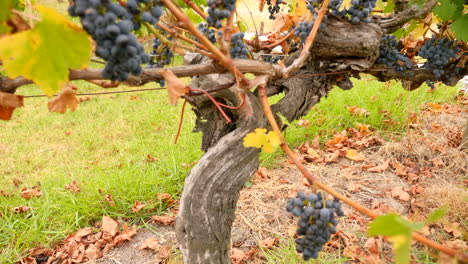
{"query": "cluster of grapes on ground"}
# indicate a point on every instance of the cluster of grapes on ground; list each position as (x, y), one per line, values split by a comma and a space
(317, 221)
(110, 25)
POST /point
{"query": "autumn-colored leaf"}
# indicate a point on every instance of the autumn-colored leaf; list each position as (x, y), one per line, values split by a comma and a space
(8, 103)
(28, 193)
(137, 206)
(150, 243)
(165, 219)
(126, 235)
(73, 186)
(399, 193)
(82, 233)
(363, 128)
(109, 226)
(353, 154)
(109, 199)
(237, 256)
(260, 139)
(332, 157)
(400, 170)
(262, 173)
(357, 111)
(21, 209)
(6, 112)
(283, 21)
(164, 252)
(303, 123)
(5, 194)
(176, 87)
(262, 4)
(163, 196)
(66, 99)
(374, 245)
(380, 168)
(134, 97)
(268, 243)
(453, 228)
(150, 158)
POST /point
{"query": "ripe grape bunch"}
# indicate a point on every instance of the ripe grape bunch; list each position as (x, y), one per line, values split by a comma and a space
(161, 55)
(274, 8)
(210, 33)
(317, 221)
(238, 47)
(303, 30)
(438, 53)
(391, 57)
(218, 10)
(360, 10)
(110, 25)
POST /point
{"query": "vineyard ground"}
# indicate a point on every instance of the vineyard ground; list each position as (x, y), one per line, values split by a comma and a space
(263, 226)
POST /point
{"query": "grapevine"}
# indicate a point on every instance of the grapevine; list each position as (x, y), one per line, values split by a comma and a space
(392, 58)
(219, 10)
(238, 47)
(274, 8)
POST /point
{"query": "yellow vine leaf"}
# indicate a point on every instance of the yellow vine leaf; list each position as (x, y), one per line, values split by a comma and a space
(260, 139)
(44, 54)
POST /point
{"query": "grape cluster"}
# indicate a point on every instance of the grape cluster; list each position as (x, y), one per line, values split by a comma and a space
(218, 10)
(161, 55)
(274, 9)
(238, 47)
(317, 221)
(303, 30)
(210, 33)
(391, 57)
(110, 25)
(438, 53)
(360, 10)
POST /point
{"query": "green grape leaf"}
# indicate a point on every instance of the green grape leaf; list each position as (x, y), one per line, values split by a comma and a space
(459, 27)
(242, 26)
(5, 6)
(193, 16)
(389, 6)
(46, 53)
(398, 231)
(447, 10)
(437, 215)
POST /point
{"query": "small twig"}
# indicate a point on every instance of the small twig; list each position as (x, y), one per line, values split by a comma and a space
(251, 16)
(262, 92)
(228, 120)
(177, 35)
(270, 46)
(181, 120)
(196, 8)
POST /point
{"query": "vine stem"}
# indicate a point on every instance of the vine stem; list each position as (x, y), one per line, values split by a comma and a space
(262, 93)
(196, 8)
(223, 60)
(181, 120)
(299, 62)
(177, 35)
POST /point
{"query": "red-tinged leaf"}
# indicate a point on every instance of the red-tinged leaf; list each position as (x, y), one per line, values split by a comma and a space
(30, 193)
(73, 186)
(417, 189)
(262, 174)
(364, 129)
(165, 219)
(125, 236)
(374, 245)
(6, 112)
(163, 196)
(303, 123)
(5, 194)
(268, 243)
(109, 226)
(92, 252)
(82, 233)
(21, 209)
(134, 97)
(150, 158)
(353, 154)
(399, 193)
(165, 252)
(262, 4)
(66, 99)
(176, 87)
(137, 206)
(8, 103)
(237, 256)
(380, 168)
(150, 243)
(332, 157)
(282, 22)
(400, 170)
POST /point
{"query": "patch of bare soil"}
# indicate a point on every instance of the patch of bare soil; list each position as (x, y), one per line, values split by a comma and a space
(412, 176)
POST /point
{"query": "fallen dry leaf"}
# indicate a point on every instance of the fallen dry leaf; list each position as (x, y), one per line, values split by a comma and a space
(73, 186)
(164, 219)
(400, 193)
(237, 256)
(164, 252)
(268, 243)
(262, 174)
(150, 243)
(137, 206)
(109, 199)
(66, 98)
(454, 229)
(163, 196)
(150, 158)
(400, 169)
(21, 209)
(353, 154)
(303, 123)
(5, 194)
(417, 189)
(8, 103)
(175, 86)
(28, 193)
(126, 235)
(357, 111)
(374, 245)
(379, 168)
(109, 226)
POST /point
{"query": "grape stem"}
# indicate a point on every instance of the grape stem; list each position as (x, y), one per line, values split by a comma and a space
(182, 37)
(223, 60)
(262, 93)
(299, 62)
